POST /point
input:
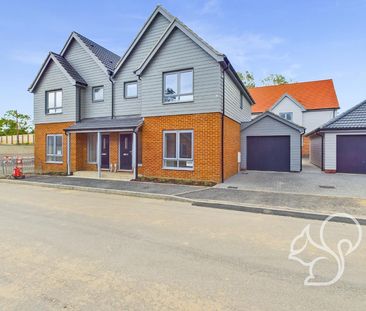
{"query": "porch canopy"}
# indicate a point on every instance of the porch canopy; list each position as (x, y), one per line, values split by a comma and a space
(105, 125)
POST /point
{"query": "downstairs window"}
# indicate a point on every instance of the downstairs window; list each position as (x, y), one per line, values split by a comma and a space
(54, 149)
(178, 150)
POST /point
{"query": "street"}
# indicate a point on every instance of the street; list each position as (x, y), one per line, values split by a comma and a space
(73, 250)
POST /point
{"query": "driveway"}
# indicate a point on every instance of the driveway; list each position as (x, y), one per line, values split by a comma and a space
(310, 181)
(72, 250)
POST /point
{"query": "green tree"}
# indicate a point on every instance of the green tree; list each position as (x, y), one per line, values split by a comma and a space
(247, 78)
(275, 79)
(14, 123)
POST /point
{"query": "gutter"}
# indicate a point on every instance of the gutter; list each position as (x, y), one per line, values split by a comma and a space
(223, 125)
(110, 74)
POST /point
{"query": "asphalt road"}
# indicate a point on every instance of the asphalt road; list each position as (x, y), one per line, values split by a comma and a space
(70, 250)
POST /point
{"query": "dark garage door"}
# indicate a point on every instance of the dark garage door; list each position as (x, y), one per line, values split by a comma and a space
(351, 154)
(268, 153)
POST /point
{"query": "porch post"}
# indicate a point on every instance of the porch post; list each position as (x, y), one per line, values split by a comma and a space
(99, 154)
(68, 151)
(134, 153)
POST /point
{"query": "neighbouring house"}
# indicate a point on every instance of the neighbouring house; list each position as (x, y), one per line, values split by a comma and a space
(170, 107)
(271, 143)
(340, 144)
(308, 104)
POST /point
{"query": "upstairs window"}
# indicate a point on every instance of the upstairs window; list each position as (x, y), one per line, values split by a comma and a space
(178, 86)
(178, 150)
(54, 148)
(98, 94)
(54, 102)
(131, 89)
(287, 115)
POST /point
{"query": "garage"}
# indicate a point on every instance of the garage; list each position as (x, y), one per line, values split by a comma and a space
(343, 142)
(268, 153)
(271, 143)
(351, 154)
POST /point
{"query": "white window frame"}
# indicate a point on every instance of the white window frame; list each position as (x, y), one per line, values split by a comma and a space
(177, 151)
(54, 148)
(97, 100)
(125, 89)
(88, 149)
(48, 109)
(178, 73)
(283, 114)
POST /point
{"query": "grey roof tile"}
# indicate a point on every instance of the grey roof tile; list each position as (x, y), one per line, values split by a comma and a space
(70, 70)
(351, 119)
(108, 58)
(106, 124)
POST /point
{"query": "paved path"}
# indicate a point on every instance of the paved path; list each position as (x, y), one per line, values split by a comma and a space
(70, 250)
(144, 187)
(309, 203)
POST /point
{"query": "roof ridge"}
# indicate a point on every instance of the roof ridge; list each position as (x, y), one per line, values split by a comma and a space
(302, 82)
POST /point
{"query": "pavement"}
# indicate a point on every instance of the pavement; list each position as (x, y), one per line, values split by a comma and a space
(279, 203)
(73, 250)
(310, 181)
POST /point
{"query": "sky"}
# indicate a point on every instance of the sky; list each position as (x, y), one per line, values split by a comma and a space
(304, 40)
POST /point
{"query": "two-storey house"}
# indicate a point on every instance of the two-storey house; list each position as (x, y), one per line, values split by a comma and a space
(308, 104)
(170, 107)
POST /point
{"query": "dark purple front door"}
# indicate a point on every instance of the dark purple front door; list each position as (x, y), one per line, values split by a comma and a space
(105, 152)
(125, 152)
(268, 153)
(351, 154)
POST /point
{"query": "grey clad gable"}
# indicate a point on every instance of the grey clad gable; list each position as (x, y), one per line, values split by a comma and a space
(65, 67)
(70, 70)
(275, 117)
(106, 59)
(53, 78)
(95, 75)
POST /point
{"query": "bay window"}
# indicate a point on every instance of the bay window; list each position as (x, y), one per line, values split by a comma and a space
(178, 150)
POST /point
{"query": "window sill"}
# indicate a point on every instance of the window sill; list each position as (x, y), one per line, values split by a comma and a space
(97, 101)
(178, 168)
(132, 97)
(52, 114)
(54, 162)
(182, 102)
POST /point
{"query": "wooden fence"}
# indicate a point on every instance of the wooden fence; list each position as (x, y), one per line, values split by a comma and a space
(12, 139)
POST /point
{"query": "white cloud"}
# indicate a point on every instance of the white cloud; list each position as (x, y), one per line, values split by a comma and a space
(211, 7)
(28, 57)
(246, 48)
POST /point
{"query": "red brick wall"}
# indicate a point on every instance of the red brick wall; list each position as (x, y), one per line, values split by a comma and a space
(306, 146)
(207, 146)
(231, 147)
(41, 131)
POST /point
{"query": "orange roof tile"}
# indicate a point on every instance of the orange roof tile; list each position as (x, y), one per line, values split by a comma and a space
(312, 95)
